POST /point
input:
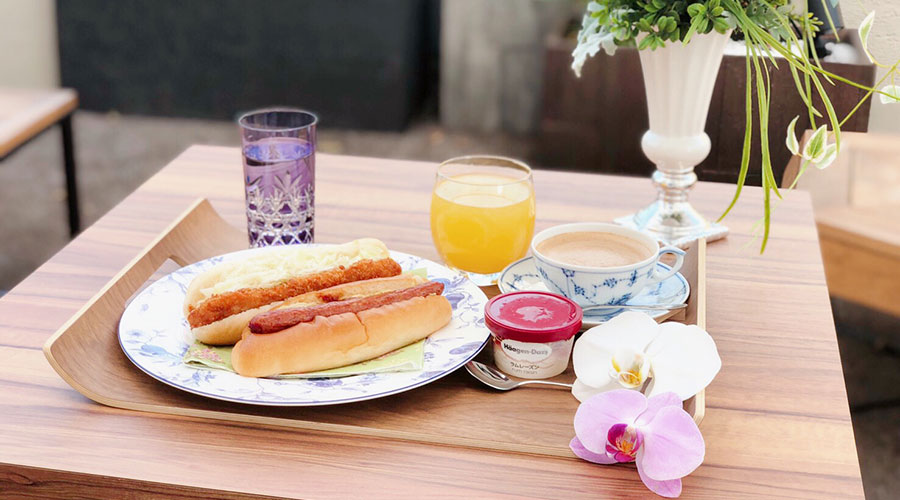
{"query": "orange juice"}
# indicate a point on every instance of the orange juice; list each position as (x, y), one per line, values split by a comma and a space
(482, 222)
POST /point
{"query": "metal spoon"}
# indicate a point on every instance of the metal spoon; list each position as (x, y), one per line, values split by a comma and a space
(496, 379)
(673, 307)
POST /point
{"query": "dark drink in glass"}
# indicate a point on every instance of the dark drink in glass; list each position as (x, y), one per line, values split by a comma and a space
(279, 176)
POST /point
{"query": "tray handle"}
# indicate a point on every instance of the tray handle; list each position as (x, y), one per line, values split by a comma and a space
(198, 233)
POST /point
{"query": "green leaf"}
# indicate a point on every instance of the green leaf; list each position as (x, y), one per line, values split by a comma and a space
(829, 111)
(815, 147)
(803, 95)
(807, 80)
(748, 140)
(704, 25)
(646, 42)
(791, 139)
(767, 219)
(696, 9)
(864, 28)
(764, 107)
(730, 19)
(693, 29)
(830, 19)
(667, 23)
(828, 157)
(815, 54)
(721, 25)
(655, 6)
(890, 94)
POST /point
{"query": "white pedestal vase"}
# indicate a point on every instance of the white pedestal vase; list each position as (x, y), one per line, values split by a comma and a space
(679, 81)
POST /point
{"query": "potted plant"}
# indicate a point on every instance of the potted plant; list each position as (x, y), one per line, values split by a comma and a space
(681, 44)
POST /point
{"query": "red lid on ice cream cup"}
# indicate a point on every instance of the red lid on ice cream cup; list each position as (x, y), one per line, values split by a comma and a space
(535, 317)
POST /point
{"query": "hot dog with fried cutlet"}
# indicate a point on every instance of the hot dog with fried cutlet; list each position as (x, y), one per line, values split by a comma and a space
(221, 301)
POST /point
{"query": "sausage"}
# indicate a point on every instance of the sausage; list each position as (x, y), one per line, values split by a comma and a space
(280, 319)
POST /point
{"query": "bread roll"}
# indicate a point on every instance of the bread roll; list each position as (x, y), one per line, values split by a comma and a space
(228, 331)
(341, 340)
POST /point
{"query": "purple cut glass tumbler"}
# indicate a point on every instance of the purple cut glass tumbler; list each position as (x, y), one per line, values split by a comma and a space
(279, 146)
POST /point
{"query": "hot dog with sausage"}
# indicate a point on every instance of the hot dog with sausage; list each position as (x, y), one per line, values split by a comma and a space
(340, 326)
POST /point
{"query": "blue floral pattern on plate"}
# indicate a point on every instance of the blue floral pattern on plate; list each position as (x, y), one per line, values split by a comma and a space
(154, 335)
(523, 275)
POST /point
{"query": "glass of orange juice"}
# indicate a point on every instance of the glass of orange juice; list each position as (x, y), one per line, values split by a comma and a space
(482, 214)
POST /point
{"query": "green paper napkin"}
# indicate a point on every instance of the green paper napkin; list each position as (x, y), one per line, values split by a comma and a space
(405, 359)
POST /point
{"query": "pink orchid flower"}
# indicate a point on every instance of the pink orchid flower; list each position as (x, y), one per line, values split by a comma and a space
(656, 434)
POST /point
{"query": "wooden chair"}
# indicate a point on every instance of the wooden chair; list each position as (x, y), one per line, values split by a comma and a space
(857, 210)
(25, 114)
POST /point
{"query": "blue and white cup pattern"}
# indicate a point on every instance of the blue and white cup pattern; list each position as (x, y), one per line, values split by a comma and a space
(591, 286)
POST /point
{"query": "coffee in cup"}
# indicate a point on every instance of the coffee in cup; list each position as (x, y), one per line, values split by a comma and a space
(596, 263)
(594, 249)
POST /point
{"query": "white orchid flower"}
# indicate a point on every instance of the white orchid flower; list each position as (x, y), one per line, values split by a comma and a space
(816, 150)
(631, 348)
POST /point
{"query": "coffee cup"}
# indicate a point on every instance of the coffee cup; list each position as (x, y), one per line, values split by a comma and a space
(596, 263)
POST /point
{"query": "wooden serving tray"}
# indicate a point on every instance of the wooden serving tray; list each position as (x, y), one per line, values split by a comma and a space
(454, 410)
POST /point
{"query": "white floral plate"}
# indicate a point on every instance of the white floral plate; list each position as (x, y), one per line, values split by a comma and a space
(522, 275)
(154, 333)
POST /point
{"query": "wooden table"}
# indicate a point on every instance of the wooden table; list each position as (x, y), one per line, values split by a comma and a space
(777, 421)
(25, 114)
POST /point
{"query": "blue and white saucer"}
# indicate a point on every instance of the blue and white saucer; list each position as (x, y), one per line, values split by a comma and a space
(522, 275)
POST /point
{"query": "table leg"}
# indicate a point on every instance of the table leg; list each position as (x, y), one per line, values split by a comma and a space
(71, 186)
